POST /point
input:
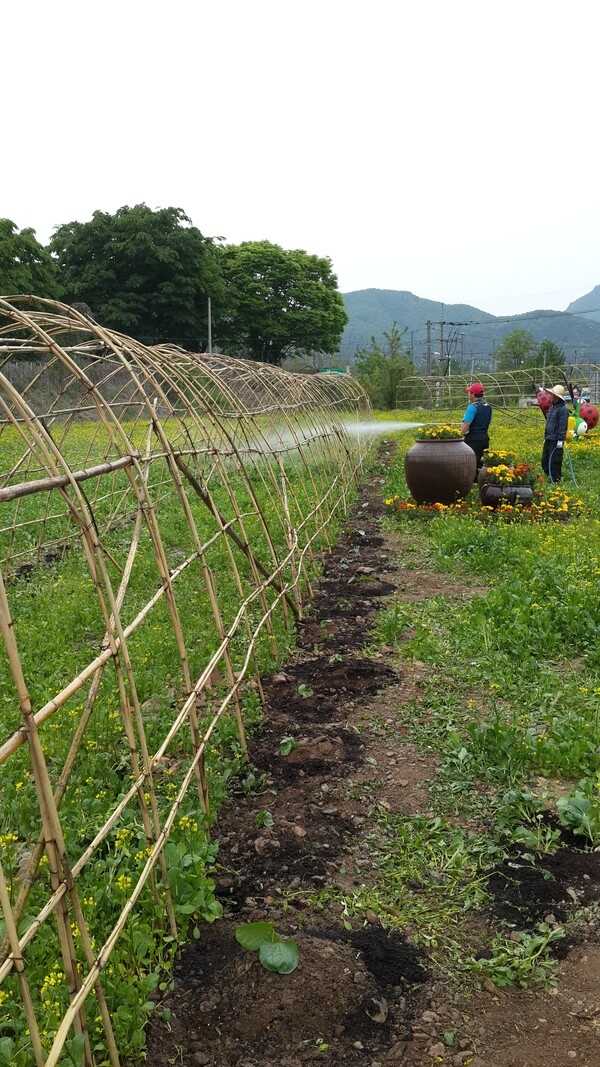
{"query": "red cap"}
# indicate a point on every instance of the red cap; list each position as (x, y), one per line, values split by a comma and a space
(476, 389)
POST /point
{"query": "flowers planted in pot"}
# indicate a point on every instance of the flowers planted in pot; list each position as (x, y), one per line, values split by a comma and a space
(511, 484)
(492, 457)
(495, 457)
(439, 432)
(505, 475)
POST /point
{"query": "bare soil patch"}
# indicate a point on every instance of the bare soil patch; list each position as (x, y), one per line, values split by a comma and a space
(364, 995)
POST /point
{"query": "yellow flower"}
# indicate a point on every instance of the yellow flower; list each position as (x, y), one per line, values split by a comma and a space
(442, 432)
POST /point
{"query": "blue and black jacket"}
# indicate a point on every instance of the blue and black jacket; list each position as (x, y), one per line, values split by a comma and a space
(480, 422)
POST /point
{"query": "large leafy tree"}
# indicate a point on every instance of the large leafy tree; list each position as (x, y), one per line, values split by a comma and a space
(550, 355)
(382, 369)
(519, 350)
(143, 272)
(26, 267)
(279, 303)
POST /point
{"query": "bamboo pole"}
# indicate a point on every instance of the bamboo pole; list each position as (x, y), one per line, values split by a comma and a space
(55, 846)
(215, 428)
(43, 485)
(19, 964)
(242, 545)
(34, 862)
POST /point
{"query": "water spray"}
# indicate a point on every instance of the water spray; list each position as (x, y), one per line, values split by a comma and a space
(374, 429)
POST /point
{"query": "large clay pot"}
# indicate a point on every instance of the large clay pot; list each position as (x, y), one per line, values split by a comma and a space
(493, 495)
(437, 472)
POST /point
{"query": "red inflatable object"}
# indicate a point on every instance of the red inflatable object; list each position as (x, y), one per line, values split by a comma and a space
(589, 413)
(544, 399)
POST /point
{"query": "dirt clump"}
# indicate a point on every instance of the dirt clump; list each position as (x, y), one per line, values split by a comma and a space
(230, 1010)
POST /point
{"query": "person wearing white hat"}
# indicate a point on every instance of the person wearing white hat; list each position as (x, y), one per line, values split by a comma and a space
(557, 421)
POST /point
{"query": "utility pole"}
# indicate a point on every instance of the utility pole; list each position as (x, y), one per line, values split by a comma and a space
(209, 326)
(441, 326)
(428, 349)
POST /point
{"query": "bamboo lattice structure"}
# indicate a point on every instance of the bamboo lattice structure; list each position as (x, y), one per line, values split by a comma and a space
(502, 388)
(162, 518)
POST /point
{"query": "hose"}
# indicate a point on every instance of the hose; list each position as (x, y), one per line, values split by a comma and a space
(575, 483)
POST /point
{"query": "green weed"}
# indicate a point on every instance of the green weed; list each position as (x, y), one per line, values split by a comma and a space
(581, 811)
(274, 952)
(392, 623)
(524, 963)
(287, 745)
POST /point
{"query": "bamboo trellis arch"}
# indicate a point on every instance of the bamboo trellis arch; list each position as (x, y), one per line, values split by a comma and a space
(502, 388)
(199, 491)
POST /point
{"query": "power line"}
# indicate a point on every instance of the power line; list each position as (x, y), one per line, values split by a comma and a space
(529, 316)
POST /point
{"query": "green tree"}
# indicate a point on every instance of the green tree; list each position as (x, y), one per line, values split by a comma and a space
(26, 267)
(280, 303)
(550, 355)
(381, 369)
(143, 272)
(518, 350)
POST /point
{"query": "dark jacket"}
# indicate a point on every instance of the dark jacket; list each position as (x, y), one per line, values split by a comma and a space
(557, 421)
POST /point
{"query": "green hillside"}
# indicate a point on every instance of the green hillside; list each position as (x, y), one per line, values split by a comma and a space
(470, 335)
(588, 305)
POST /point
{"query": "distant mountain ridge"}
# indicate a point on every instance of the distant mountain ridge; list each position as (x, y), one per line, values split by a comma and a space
(588, 305)
(469, 334)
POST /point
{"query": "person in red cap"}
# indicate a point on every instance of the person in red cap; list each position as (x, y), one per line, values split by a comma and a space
(476, 421)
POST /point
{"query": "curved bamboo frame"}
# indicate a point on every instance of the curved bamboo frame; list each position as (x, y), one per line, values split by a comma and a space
(503, 388)
(101, 437)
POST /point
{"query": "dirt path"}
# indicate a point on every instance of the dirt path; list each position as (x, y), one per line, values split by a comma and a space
(361, 994)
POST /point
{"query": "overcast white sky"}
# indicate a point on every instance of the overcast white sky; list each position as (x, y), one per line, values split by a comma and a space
(445, 148)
